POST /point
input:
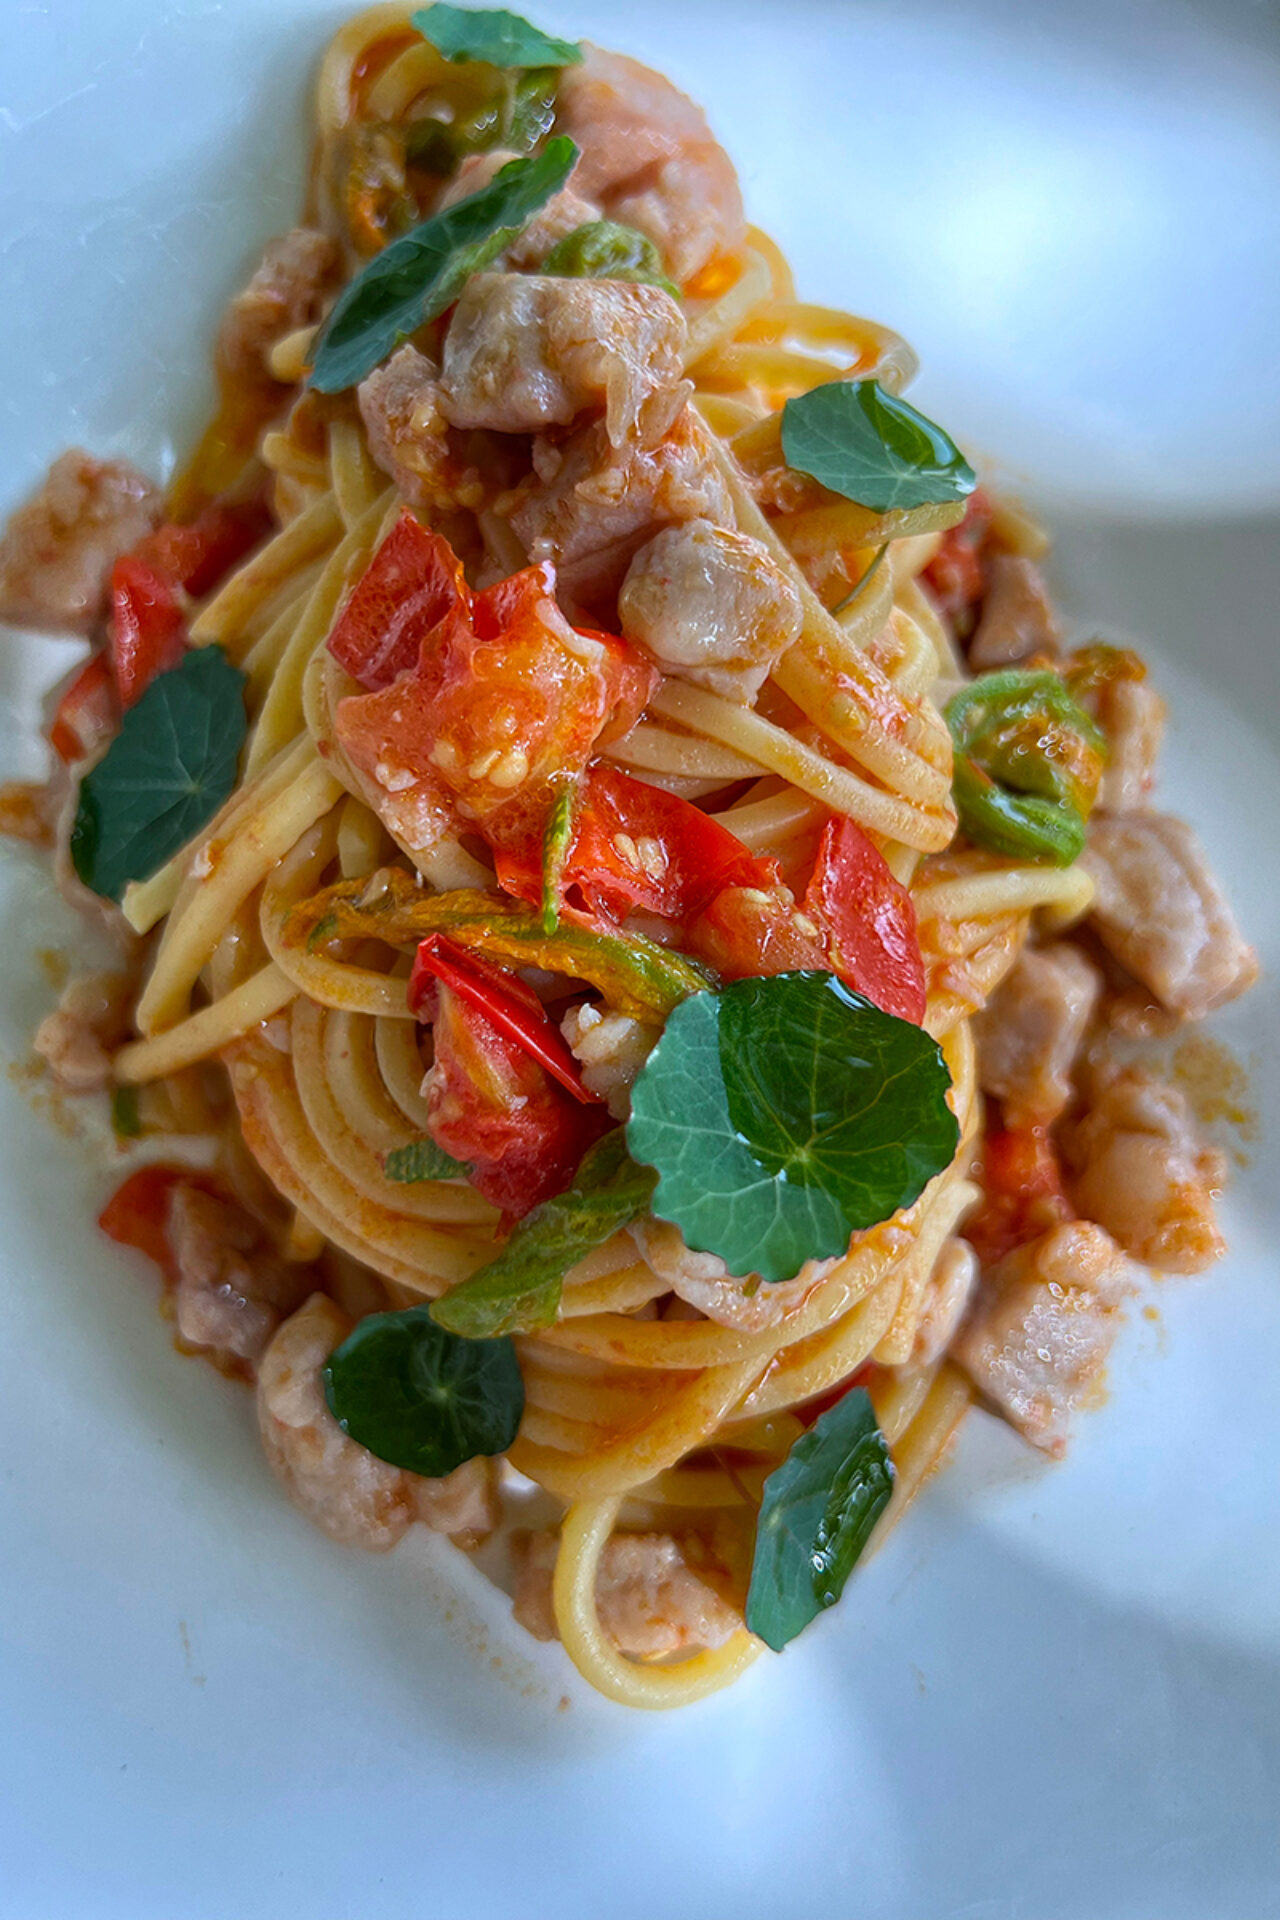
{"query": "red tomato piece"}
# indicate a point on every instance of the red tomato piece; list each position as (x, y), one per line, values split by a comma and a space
(147, 627)
(497, 712)
(1023, 1193)
(490, 1104)
(753, 932)
(505, 1001)
(137, 1214)
(86, 712)
(636, 847)
(870, 919)
(954, 575)
(199, 554)
(412, 586)
(633, 681)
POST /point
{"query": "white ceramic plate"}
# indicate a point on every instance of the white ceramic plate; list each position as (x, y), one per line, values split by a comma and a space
(1056, 1694)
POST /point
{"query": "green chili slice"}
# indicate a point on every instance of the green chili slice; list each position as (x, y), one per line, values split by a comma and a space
(1028, 760)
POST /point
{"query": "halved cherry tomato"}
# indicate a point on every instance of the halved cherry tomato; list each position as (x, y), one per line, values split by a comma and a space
(413, 583)
(490, 1104)
(637, 847)
(870, 919)
(87, 711)
(506, 1003)
(1022, 1190)
(501, 708)
(148, 626)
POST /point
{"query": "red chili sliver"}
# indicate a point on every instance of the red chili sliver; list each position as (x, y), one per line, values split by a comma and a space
(505, 1002)
(413, 583)
(871, 920)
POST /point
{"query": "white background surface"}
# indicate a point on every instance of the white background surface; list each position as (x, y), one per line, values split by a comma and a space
(1056, 1694)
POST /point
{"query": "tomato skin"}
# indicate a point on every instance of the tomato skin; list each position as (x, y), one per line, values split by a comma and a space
(137, 1213)
(87, 711)
(147, 629)
(505, 701)
(490, 1104)
(412, 586)
(691, 857)
(871, 921)
(954, 575)
(506, 1002)
(147, 626)
(1023, 1194)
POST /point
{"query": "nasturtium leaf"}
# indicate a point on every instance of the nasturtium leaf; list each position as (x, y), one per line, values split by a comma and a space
(165, 774)
(423, 272)
(421, 1398)
(784, 1115)
(819, 1509)
(519, 1291)
(423, 1160)
(492, 34)
(864, 443)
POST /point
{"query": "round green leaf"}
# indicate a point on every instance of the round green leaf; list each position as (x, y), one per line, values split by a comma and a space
(783, 1115)
(868, 445)
(421, 1398)
(164, 776)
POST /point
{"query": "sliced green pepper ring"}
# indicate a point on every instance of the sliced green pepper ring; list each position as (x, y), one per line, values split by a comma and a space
(1028, 760)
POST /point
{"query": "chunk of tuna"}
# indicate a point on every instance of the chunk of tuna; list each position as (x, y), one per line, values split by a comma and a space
(703, 1280)
(652, 1602)
(1045, 1320)
(589, 506)
(57, 552)
(1017, 616)
(1030, 1031)
(79, 1037)
(1160, 910)
(711, 607)
(1132, 718)
(408, 434)
(287, 291)
(1144, 1174)
(230, 1290)
(612, 1049)
(526, 351)
(649, 160)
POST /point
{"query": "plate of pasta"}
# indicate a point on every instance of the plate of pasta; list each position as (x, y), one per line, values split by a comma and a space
(641, 961)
